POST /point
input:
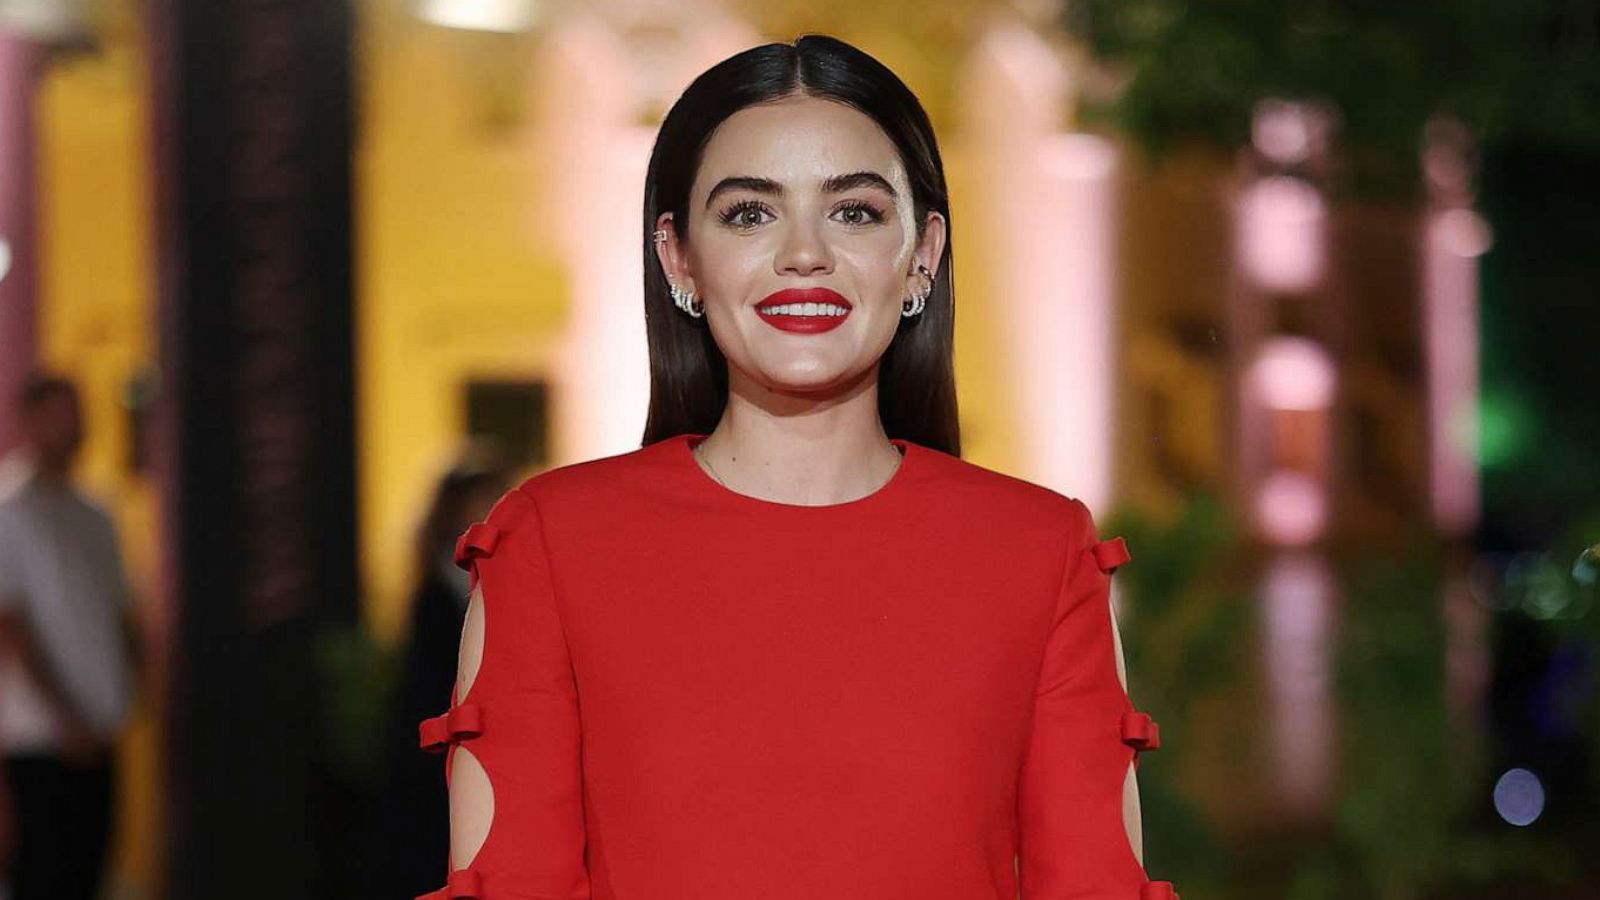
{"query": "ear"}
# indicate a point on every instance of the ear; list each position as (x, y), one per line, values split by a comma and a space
(674, 261)
(929, 250)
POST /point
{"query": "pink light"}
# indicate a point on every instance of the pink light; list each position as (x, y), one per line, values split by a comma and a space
(1297, 610)
(1293, 373)
(1453, 240)
(1288, 133)
(1462, 232)
(1080, 157)
(1280, 223)
(1291, 508)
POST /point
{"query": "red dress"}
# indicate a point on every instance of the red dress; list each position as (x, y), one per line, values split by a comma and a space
(687, 693)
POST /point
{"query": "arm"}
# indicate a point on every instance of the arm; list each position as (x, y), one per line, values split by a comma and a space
(17, 640)
(1078, 803)
(512, 732)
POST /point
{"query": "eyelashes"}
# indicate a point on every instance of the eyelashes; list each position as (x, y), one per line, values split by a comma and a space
(857, 212)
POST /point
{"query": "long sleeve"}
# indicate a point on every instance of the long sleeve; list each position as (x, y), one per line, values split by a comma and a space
(512, 733)
(1085, 733)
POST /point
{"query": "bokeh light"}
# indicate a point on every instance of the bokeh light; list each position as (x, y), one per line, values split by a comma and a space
(1280, 221)
(1519, 797)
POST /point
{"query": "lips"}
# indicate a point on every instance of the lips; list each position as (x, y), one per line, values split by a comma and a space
(802, 323)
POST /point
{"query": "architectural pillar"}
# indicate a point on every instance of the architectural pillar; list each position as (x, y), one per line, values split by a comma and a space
(255, 434)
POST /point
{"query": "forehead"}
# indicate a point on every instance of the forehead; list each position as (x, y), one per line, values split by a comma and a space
(798, 140)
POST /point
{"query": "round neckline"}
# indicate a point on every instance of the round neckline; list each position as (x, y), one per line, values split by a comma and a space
(687, 441)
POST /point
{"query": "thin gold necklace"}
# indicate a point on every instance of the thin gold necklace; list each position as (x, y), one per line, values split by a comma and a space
(709, 466)
(898, 458)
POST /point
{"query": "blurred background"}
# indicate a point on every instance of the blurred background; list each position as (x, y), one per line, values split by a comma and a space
(1301, 297)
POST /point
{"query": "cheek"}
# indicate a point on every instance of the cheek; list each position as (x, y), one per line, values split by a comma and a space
(726, 263)
(878, 262)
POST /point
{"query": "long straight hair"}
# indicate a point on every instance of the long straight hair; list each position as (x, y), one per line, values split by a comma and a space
(688, 373)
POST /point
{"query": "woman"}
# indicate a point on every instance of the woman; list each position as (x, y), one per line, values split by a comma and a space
(794, 647)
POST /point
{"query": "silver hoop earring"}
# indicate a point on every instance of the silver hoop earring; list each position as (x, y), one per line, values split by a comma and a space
(684, 300)
(918, 301)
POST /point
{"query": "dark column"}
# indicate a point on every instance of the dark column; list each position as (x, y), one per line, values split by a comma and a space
(255, 425)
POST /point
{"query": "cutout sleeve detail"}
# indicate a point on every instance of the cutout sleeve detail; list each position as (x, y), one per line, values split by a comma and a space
(1074, 842)
(462, 722)
(519, 714)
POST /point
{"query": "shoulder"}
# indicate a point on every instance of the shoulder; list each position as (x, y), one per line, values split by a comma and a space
(16, 513)
(608, 483)
(969, 489)
(602, 486)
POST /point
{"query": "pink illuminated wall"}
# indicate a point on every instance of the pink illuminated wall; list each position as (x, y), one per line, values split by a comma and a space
(18, 277)
(1454, 236)
(1045, 212)
(587, 159)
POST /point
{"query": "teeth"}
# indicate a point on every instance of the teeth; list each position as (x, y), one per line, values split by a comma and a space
(803, 309)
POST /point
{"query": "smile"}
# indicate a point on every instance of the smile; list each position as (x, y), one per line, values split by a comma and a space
(804, 310)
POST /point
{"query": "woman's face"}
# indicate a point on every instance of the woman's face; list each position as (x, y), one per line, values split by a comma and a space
(796, 202)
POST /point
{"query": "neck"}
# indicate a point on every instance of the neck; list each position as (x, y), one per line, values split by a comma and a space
(799, 449)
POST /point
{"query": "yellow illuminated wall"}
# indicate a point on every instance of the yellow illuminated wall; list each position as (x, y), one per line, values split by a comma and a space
(95, 325)
(452, 280)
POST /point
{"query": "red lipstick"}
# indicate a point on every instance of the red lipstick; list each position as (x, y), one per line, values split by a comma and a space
(797, 317)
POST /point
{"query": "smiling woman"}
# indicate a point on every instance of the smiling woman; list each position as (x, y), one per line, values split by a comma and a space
(818, 653)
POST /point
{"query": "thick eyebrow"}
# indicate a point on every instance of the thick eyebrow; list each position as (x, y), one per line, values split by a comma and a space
(831, 185)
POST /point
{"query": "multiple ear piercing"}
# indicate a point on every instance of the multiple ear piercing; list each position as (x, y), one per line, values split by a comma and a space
(918, 301)
(685, 300)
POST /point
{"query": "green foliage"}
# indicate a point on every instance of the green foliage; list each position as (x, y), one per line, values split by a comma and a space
(1525, 70)
(1409, 780)
(1402, 786)
(1181, 634)
(357, 676)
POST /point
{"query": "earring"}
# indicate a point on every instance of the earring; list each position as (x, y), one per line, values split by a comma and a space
(681, 298)
(684, 300)
(918, 301)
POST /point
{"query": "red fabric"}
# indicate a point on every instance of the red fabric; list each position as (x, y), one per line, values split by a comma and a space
(462, 722)
(1141, 732)
(691, 693)
(479, 540)
(1109, 555)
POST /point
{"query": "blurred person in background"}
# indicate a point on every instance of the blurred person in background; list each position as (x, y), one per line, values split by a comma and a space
(67, 653)
(413, 828)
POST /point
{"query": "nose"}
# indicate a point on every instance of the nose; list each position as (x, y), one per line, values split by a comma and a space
(804, 252)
